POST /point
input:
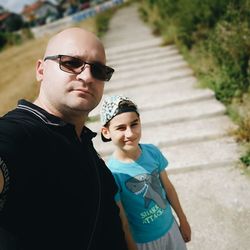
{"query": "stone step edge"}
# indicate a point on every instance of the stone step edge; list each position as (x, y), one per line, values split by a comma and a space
(134, 46)
(206, 96)
(201, 167)
(118, 86)
(173, 120)
(137, 55)
(178, 70)
(185, 119)
(195, 167)
(177, 142)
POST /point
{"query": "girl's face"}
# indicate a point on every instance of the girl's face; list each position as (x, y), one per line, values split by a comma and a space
(124, 130)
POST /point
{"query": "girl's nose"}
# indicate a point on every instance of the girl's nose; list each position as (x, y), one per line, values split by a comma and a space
(128, 132)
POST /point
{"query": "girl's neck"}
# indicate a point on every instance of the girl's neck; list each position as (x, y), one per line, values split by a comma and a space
(128, 156)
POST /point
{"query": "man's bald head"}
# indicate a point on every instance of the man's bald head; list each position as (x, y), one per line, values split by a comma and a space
(64, 93)
(73, 41)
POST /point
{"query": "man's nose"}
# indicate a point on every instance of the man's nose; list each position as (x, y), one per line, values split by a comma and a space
(85, 73)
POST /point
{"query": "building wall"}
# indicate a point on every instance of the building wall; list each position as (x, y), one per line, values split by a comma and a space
(68, 21)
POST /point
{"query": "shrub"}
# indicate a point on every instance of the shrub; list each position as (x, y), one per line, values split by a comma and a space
(102, 21)
(3, 40)
(246, 159)
(219, 27)
(215, 37)
(14, 23)
(230, 46)
(9, 39)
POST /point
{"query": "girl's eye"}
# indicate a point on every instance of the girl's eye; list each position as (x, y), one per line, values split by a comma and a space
(121, 128)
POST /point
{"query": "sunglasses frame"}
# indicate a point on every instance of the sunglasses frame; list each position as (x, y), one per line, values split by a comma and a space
(108, 71)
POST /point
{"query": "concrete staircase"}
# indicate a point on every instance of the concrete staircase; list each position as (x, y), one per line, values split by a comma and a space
(190, 127)
(185, 121)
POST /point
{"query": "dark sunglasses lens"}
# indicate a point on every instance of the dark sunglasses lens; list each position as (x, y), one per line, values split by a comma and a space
(101, 72)
(71, 64)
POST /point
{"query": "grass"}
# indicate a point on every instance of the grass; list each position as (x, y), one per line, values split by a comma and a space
(18, 80)
(18, 69)
(239, 108)
(216, 47)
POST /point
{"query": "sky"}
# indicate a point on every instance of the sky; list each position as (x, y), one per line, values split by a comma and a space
(16, 5)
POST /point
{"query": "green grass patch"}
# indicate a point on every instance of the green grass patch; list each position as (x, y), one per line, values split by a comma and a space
(214, 37)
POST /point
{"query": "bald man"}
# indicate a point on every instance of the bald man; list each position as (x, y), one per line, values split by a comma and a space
(55, 192)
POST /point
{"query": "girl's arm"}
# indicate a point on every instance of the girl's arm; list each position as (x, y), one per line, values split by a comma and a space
(128, 236)
(175, 204)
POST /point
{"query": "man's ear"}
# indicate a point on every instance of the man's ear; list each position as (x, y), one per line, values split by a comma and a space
(39, 70)
(105, 133)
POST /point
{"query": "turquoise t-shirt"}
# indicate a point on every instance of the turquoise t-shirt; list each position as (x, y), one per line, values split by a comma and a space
(142, 195)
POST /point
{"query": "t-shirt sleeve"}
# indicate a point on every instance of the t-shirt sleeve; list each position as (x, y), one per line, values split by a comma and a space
(163, 162)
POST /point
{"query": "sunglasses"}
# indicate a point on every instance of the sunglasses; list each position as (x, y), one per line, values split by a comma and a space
(75, 65)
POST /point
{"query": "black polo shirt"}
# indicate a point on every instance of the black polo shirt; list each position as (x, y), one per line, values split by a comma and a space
(58, 193)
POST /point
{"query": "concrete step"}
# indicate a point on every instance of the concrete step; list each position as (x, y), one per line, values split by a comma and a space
(126, 20)
(178, 113)
(189, 131)
(128, 36)
(152, 81)
(137, 56)
(159, 95)
(183, 78)
(135, 46)
(121, 28)
(146, 61)
(161, 66)
(216, 201)
(162, 95)
(216, 196)
(205, 154)
(175, 133)
(183, 112)
(125, 31)
(200, 155)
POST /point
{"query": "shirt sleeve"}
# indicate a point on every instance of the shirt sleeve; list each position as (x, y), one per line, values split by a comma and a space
(162, 160)
(11, 146)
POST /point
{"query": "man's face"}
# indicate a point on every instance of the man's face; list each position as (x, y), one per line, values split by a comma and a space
(68, 92)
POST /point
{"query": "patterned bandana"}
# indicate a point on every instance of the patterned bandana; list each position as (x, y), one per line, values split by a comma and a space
(110, 107)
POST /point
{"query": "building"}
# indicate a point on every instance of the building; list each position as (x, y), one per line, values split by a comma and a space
(40, 11)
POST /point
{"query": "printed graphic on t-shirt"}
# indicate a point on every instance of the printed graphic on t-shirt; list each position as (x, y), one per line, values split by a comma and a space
(1, 181)
(149, 186)
(151, 214)
(4, 182)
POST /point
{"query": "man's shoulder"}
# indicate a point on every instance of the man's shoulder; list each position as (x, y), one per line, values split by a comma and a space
(10, 123)
(16, 125)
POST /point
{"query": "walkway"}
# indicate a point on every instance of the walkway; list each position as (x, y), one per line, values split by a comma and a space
(190, 127)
